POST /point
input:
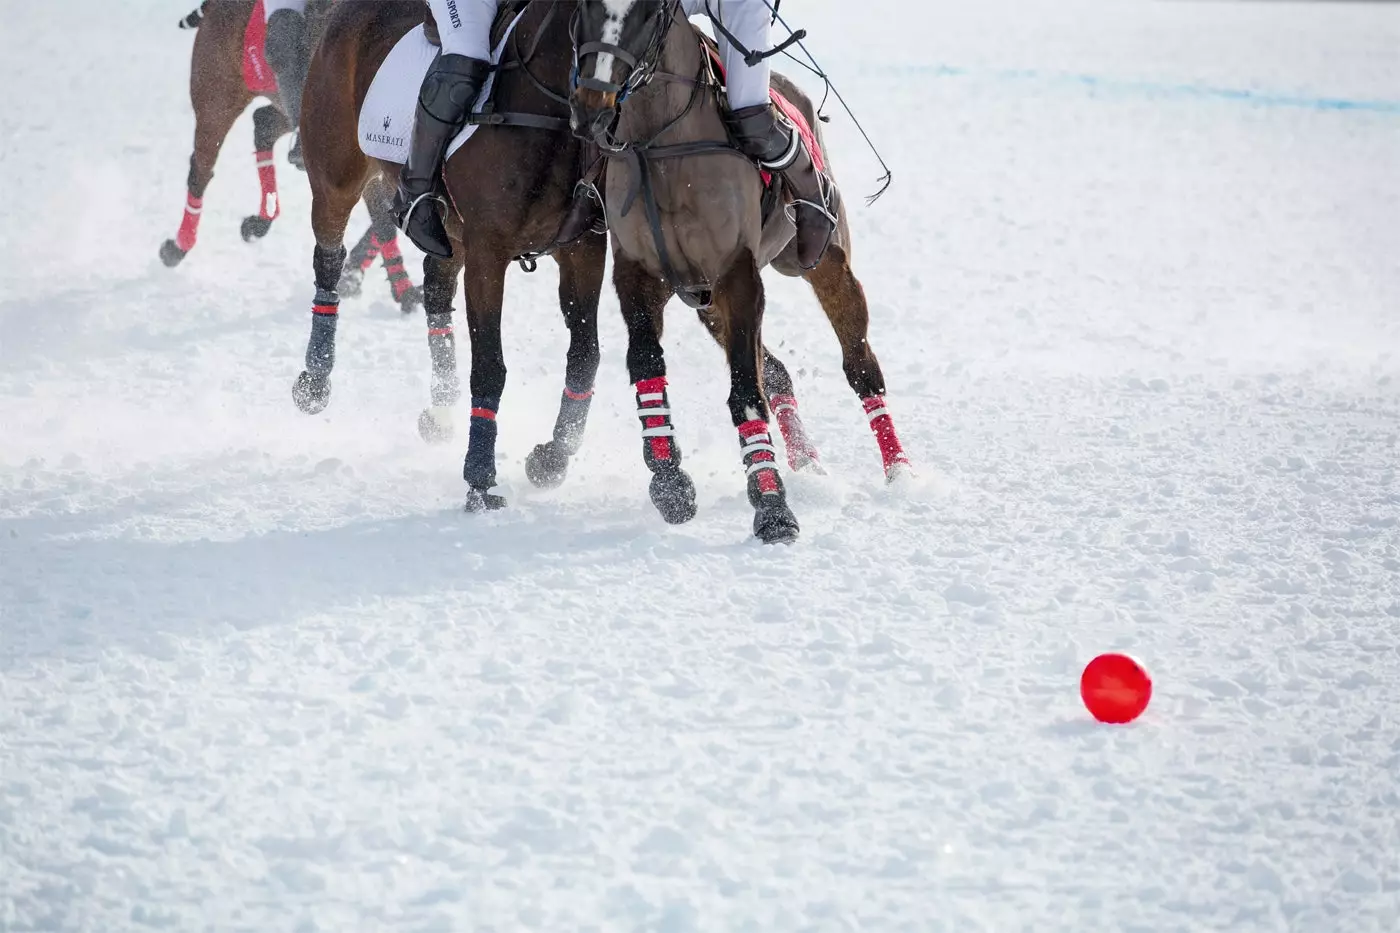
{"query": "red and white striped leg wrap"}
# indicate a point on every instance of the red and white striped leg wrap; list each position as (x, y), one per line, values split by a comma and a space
(891, 451)
(800, 449)
(270, 209)
(189, 224)
(393, 264)
(657, 431)
(760, 457)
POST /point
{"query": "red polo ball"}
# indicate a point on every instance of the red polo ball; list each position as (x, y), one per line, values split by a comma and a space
(1115, 688)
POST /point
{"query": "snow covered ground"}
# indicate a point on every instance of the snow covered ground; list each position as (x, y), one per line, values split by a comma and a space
(1137, 294)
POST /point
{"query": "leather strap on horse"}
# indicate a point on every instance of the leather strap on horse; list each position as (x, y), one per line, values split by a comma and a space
(751, 56)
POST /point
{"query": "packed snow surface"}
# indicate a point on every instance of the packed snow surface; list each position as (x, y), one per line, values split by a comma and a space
(1136, 291)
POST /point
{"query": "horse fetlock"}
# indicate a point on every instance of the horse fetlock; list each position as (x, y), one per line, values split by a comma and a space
(673, 494)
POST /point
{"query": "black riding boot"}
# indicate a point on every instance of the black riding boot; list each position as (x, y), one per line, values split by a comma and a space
(289, 55)
(778, 147)
(449, 89)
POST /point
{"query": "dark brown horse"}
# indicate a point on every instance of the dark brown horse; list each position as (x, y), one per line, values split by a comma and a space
(686, 218)
(220, 92)
(514, 182)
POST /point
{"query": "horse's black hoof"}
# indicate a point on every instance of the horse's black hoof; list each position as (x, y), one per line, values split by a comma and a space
(479, 500)
(673, 494)
(775, 524)
(255, 228)
(171, 255)
(350, 283)
(411, 300)
(547, 465)
(435, 427)
(312, 393)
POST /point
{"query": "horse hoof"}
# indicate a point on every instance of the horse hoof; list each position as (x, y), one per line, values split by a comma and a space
(411, 300)
(807, 464)
(479, 500)
(171, 255)
(255, 228)
(547, 465)
(899, 472)
(435, 425)
(673, 494)
(775, 524)
(350, 282)
(312, 393)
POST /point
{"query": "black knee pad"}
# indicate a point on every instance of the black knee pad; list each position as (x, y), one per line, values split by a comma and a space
(451, 85)
(268, 125)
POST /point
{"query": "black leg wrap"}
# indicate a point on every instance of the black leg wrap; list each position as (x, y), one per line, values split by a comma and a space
(320, 349)
(268, 127)
(192, 181)
(327, 265)
(573, 419)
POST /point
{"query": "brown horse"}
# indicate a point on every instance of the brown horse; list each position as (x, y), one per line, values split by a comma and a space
(701, 234)
(220, 91)
(515, 180)
(516, 183)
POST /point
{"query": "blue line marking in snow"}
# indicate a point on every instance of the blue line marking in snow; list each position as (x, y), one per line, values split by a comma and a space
(1151, 88)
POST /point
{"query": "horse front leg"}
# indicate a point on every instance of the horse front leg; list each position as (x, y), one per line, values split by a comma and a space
(739, 300)
(643, 298)
(485, 289)
(580, 286)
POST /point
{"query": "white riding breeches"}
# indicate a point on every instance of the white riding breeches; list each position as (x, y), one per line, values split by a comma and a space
(465, 26)
(272, 6)
(750, 21)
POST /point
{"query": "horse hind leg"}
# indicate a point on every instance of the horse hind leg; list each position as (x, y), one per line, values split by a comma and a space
(782, 401)
(384, 242)
(740, 299)
(215, 110)
(642, 298)
(269, 125)
(580, 286)
(843, 299)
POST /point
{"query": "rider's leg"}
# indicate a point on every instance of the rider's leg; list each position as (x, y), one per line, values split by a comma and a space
(449, 89)
(758, 131)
